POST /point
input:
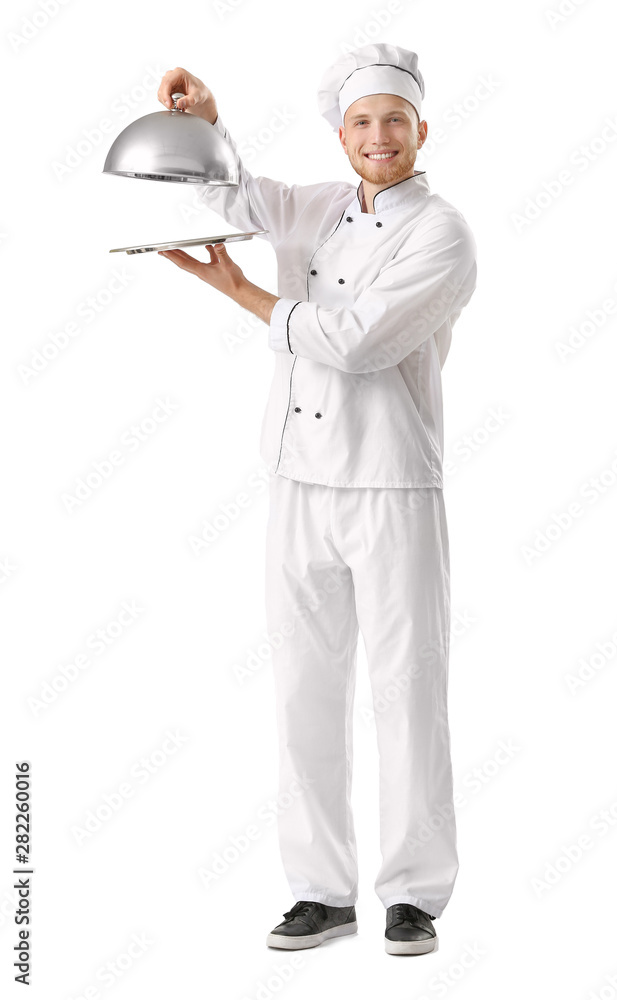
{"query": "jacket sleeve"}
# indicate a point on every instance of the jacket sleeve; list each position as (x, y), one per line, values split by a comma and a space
(425, 284)
(260, 202)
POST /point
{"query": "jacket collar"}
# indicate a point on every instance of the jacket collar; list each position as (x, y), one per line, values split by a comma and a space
(401, 194)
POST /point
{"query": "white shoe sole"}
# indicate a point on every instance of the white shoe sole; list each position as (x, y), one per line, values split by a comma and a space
(410, 947)
(310, 940)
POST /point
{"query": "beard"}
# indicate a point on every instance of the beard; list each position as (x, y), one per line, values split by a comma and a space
(384, 171)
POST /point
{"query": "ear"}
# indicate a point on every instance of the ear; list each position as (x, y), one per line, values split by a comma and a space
(341, 135)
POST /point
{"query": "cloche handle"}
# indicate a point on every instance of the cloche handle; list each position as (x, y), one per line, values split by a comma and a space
(176, 97)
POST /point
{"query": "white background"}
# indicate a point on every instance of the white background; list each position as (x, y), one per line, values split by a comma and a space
(526, 613)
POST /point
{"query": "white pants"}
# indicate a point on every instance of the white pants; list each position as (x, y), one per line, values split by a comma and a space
(377, 559)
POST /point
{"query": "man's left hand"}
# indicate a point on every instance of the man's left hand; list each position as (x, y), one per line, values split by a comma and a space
(222, 272)
(225, 275)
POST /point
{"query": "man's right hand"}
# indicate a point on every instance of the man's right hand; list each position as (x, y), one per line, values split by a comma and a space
(198, 99)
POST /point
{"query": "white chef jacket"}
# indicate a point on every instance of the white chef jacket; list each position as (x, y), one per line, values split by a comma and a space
(362, 327)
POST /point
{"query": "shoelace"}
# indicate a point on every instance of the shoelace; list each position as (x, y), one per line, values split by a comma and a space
(405, 911)
(303, 908)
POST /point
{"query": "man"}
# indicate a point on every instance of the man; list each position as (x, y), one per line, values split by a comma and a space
(371, 281)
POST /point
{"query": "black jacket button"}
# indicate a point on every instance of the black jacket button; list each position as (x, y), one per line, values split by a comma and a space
(313, 271)
(349, 218)
(341, 281)
(379, 223)
(318, 414)
(297, 409)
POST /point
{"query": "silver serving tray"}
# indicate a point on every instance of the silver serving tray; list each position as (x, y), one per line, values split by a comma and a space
(195, 242)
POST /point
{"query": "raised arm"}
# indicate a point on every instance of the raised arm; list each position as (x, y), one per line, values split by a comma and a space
(257, 202)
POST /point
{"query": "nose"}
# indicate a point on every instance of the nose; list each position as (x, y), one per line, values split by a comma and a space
(379, 135)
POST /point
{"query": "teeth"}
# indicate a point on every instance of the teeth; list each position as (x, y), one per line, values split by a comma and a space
(380, 156)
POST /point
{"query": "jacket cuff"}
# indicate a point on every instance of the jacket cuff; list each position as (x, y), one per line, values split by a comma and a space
(218, 125)
(278, 336)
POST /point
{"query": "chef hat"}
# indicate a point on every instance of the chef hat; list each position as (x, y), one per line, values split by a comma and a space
(372, 69)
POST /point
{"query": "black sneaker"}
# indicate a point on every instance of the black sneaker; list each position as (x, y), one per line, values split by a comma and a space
(409, 930)
(307, 924)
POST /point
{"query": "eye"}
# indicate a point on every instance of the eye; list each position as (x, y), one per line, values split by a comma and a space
(394, 118)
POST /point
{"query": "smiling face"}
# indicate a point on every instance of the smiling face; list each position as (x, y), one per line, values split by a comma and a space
(382, 124)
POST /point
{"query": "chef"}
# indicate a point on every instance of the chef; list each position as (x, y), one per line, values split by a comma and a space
(371, 280)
